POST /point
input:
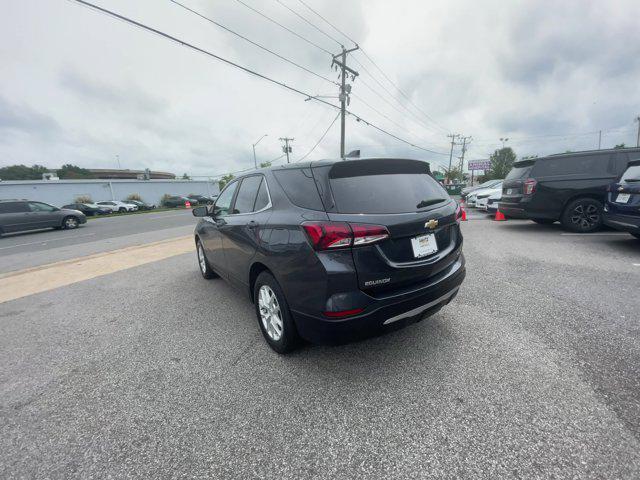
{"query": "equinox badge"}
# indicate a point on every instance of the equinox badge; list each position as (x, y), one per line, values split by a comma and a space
(431, 224)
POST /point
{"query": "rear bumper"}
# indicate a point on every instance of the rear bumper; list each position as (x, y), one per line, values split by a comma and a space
(626, 223)
(384, 314)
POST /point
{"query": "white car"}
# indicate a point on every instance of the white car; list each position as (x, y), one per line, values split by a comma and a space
(117, 206)
(478, 198)
(493, 202)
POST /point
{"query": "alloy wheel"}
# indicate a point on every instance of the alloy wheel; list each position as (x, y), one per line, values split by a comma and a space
(201, 259)
(586, 216)
(71, 222)
(270, 312)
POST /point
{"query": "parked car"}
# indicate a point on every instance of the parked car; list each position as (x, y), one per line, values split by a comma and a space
(482, 196)
(177, 201)
(493, 202)
(117, 206)
(569, 187)
(329, 251)
(622, 207)
(488, 184)
(201, 199)
(21, 215)
(473, 196)
(89, 209)
(141, 205)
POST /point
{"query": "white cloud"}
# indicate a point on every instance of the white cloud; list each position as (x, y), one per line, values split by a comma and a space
(79, 87)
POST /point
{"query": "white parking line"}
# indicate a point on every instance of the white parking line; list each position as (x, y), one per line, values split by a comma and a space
(44, 242)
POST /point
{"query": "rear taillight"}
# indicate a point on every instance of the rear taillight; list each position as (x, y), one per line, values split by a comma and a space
(459, 214)
(529, 186)
(329, 235)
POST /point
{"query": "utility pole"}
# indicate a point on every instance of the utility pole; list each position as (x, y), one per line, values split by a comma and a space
(600, 140)
(638, 139)
(118, 159)
(286, 148)
(345, 89)
(465, 142)
(453, 137)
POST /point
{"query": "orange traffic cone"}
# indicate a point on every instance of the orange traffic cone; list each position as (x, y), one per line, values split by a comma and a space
(187, 204)
(500, 216)
(464, 214)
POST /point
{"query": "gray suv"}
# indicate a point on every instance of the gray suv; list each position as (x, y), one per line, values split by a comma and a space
(20, 215)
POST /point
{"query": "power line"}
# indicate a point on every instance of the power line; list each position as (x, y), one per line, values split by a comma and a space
(308, 22)
(286, 28)
(208, 19)
(330, 24)
(372, 62)
(320, 139)
(240, 67)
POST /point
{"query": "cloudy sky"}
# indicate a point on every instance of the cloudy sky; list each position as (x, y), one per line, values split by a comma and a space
(80, 87)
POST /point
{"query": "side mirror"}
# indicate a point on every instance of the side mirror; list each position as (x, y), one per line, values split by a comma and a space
(200, 212)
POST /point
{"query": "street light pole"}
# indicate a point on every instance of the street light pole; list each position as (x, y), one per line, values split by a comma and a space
(255, 162)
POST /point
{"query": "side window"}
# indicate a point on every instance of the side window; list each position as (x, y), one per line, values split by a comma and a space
(13, 207)
(41, 207)
(223, 203)
(300, 187)
(262, 200)
(588, 165)
(247, 194)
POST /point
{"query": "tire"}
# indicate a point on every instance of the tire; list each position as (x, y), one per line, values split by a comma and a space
(282, 336)
(543, 221)
(205, 269)
(69, 223)
(583, 215)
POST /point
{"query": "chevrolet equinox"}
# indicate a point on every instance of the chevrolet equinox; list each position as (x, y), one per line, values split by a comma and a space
(335, 250)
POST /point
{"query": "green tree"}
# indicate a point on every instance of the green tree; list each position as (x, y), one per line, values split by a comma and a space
(73, 171)
(501, 163)
(265, 164)
(620, 145)
(455, 174)
(224, 180)
(22, 172)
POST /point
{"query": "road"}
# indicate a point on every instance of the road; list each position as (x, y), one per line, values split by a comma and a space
(30, 249)
(151, 371)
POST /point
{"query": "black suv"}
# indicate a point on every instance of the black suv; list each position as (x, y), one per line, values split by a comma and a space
(334, 250)
(622, 209)
(569, 187)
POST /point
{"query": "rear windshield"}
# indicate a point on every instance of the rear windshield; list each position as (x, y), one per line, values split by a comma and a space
(520, 170)
(395, 186)
(632, 174)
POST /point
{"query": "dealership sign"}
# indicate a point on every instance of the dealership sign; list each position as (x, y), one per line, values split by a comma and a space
(480, 165)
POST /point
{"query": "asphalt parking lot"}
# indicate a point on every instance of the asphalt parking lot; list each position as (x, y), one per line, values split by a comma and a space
(151, 371)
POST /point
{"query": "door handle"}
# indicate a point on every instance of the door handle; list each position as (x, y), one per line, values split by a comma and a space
(252, 224)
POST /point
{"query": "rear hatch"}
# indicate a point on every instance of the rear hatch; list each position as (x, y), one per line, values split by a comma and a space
(624, 196)
(416, 210)
(513, 184)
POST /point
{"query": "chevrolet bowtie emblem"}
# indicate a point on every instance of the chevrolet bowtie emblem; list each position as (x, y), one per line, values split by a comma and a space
(431, 224)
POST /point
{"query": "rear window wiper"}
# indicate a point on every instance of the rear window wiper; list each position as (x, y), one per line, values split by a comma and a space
(632, 180)
(426, 203)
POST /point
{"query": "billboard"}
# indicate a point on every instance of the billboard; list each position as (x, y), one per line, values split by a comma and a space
(480, 165)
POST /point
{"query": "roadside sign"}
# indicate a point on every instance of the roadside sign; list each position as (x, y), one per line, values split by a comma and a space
(480, 165)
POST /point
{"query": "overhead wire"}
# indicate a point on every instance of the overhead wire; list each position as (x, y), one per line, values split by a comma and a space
(320, 139)
(240, 67)
(262, 47)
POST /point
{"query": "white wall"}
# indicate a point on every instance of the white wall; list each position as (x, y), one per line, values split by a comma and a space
(62, 192)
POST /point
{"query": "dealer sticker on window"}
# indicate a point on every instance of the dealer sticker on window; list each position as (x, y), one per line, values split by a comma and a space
(424, 245)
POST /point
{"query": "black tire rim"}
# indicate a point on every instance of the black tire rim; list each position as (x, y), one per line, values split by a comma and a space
(586, 216)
